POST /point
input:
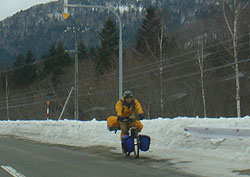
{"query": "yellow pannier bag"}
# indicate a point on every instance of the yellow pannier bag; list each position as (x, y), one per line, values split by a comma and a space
(113, 123)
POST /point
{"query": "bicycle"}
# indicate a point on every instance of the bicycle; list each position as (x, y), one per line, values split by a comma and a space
(136, 140)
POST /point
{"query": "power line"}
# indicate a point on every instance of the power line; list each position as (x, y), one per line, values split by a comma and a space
(171, 58)
(207, 70)
(174, 57)
(168, 59)
(147, 71)
(89, 84)
(168, 66)
(170, 79)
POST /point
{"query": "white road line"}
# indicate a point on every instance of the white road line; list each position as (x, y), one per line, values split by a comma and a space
(12, 171)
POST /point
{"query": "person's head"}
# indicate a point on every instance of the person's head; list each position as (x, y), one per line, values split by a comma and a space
(128, 95)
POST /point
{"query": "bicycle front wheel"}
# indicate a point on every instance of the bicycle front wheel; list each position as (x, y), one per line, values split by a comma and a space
(127, 154)
(136, 147)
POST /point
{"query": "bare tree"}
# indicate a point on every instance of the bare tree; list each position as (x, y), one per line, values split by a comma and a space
(236, 9)
(159, 59)
(201, 65)
(161, 39)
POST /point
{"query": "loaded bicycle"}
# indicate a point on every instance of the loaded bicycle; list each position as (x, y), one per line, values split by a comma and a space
(133, 142)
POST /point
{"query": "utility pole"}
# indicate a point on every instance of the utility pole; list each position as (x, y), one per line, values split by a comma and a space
(76, 77)
(75, 31)
(66, 14)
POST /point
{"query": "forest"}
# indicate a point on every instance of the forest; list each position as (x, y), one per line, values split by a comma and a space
(201, 69)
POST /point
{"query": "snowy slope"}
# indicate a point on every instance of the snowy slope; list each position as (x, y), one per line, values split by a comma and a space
(208, 156)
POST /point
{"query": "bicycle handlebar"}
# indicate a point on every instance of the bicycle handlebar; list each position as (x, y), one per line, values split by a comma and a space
(128, 119)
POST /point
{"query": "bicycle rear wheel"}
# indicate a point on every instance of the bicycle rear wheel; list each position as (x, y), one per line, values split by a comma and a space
(136, 147)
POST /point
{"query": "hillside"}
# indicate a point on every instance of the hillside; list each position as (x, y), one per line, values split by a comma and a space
(38, 27)
(193, 61)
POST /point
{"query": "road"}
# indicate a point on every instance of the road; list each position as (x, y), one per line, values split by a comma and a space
(32, 159)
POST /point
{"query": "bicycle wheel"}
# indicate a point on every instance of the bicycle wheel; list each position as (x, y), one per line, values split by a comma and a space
(127, 154)
(136, 147)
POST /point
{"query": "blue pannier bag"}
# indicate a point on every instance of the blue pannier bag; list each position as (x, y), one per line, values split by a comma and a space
(128, 143)
(144, 142)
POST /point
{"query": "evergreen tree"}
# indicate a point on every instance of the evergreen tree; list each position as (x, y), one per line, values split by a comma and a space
(107, 53)
(4, 75)
(55, 61)
(152, 42)
(30, 68)
(18, 74)
(83, 53)
(92, 54)
(24, 69)
(149, 34)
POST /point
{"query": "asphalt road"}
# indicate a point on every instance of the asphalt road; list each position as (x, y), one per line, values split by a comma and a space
(32, 159)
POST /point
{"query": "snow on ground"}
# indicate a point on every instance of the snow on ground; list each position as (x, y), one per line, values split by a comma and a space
(213, 157)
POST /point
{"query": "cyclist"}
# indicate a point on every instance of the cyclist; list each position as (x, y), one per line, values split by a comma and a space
(126, 108)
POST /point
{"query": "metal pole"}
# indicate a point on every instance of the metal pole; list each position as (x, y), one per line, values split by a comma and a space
(76, 77)
(75, 31)
(120, 38)
(120, 55)
(66, 102)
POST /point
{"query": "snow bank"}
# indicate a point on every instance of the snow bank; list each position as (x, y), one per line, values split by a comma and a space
(191, 153)
(76, 133)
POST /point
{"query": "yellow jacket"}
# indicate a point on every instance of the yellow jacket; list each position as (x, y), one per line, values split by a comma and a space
(125, 110)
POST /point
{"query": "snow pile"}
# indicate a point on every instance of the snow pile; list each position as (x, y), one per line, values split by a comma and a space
(76, 133)
(191, 153)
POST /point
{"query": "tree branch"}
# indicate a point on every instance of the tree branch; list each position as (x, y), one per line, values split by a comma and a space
(240, 10)
(227, 22)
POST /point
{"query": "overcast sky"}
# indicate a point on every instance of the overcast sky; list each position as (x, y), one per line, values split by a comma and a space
(10, 7)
